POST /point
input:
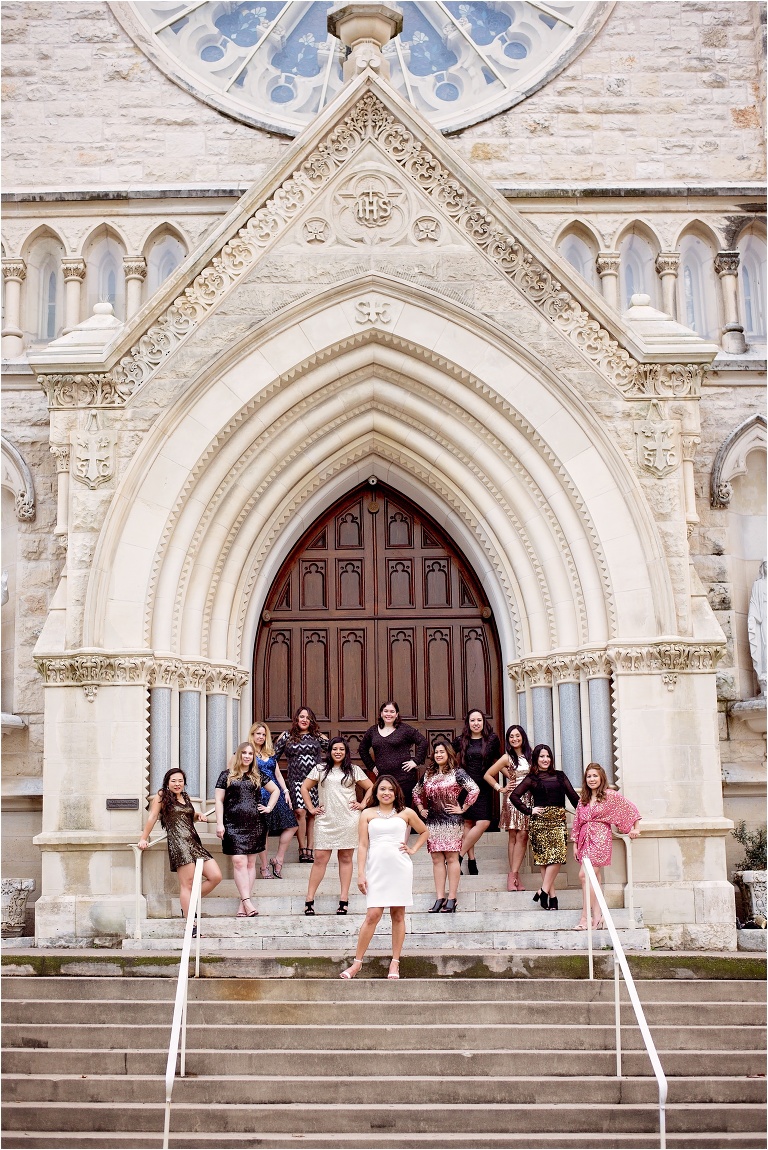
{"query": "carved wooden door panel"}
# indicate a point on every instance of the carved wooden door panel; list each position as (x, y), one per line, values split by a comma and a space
(376, 602)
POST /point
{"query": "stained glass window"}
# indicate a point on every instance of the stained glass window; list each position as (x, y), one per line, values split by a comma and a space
(275, 64)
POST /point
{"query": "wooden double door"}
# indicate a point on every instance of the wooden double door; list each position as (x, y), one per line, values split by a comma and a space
(375, 602)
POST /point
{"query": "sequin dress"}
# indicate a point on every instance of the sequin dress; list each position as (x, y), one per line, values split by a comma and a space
(302, 757)
(591, 830)
(510, 818)
(549, 790)
(337, 827)
(281, 817)
(245, 828)
(436, 792)
(184, 844)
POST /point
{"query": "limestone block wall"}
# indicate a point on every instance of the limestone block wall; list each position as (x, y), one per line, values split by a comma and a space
(668, 91)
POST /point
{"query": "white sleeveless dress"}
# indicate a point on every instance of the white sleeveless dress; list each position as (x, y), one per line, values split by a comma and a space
(389, 871)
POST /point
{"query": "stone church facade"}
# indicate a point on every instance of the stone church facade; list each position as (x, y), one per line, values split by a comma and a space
(544, 328)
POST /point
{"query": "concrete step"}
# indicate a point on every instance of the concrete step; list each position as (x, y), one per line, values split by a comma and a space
(341, 940)
(395, 1064)
(276, 898)
(334, 1118)
(66, 1140)
(134, 989)
(480, 1012)
(382, 1036)
(365, 1090)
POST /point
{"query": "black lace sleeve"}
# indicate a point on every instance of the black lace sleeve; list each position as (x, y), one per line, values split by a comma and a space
(520, 790)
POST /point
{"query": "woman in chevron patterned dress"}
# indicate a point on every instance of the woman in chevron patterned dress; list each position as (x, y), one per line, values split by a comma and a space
(304, 747)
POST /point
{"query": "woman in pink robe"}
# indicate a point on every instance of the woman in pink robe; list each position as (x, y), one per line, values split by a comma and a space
(599, 809)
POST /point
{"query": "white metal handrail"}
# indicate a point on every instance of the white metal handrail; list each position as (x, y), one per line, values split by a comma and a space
(179, 1024)
(620, 963)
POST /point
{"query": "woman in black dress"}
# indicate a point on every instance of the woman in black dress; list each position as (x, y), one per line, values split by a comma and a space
(304, 747)
(477, 748)
(239, 821)
(549, 789)
(393, 748)
(173, 806)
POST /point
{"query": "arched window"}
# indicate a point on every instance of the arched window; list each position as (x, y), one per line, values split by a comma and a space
(163, 258)
(105, 278)
(44, 291)
(580, 256)
(638, 273)
(49, 292)
(697, 305)
(752, 277)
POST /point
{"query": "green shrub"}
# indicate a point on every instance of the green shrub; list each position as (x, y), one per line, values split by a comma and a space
(754, 843)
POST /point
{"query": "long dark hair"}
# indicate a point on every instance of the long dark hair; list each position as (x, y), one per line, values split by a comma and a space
(525, 750)
(433, 768)
(399, 803)
(314, 726)
(348, 771)
(535, 768)
(586, 793)
(168, 799)
(389, 703)
(466, 735)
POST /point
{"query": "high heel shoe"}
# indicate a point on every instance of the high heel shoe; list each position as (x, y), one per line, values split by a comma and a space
(266, 872)
(543, 900)
(437, 907)
(350, 972)
(396, 972)
(309, 906)
(342, 906)
(450, 906)
(537, 896)
(472, 866)
(277, 868)
(553, 903)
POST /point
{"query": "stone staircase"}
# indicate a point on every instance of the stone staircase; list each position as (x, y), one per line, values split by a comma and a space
(488, 917)
(517, 1061)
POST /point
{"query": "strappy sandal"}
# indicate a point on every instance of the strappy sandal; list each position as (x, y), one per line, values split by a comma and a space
(350, 972)
(309, 906)
(265, 872)
(396, 972)
(243, 913)
(342, 906)
(305, 856)
(277, 868)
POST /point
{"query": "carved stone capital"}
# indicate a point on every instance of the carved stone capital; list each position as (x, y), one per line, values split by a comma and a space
(102, 668)
(92, 390)
(135, 268)
(73, 269)
(668, 263)
(219, 680)
(516, 672)
(14, 269)
(690, 444)
(665, 379)
(565, 669)
(727, 263)
(538, 673)
(608, 264)
(666, 656)
(594, 664)
(61, 453)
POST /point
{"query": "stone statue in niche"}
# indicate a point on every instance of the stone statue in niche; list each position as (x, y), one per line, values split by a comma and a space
(756, 626)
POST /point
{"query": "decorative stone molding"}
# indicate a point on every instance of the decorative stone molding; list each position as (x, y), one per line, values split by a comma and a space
(658, 448)
(61, 454)
(93, 669)
(94, 454)
(669, 679)
(369, 119)
(594, 664)
(690, 444)
(14, 270)
(608, 264)
(373, 310)
(316, 231)
(565, 669)
(17, 477)
(731, 458)
(135, 268)
(426, 229)
(668, 264)
(727, 263)
(73, 269)
(666, 656)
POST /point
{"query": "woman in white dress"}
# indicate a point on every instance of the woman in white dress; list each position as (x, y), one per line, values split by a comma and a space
(337, 813)
(384, 867)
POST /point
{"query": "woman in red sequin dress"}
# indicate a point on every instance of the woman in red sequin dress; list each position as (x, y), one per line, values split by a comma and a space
(436, 797)
(598, 810)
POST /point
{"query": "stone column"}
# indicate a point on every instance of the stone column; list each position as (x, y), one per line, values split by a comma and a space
(74, 274)
(60, 452)
(608, 265)
(135, 269)
(542, 718)
(215, 739)
(565, 672)
(159, 735)
(14, 274)
(597, 668)
(365, 28)
(727, 268)
(690, 443)
(189, 738)
(667, 267)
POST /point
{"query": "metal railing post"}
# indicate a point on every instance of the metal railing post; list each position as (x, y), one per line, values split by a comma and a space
(179, 1025)
(617, 1003)
(137, 891)
(589, 927)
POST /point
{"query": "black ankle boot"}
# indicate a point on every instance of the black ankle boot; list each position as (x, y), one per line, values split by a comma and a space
(553, 903)
(450, 906)
(472, 866)
(437, 907)
(544, 900)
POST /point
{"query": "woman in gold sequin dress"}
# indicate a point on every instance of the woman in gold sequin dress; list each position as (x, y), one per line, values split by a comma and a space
(173, 806)
(549, 789)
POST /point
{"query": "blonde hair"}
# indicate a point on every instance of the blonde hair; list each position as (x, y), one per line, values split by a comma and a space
(236, 769)
(268, 750)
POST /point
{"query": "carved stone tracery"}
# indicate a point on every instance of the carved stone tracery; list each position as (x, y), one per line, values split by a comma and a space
(92, 669)
(667, 658)
(369, 119)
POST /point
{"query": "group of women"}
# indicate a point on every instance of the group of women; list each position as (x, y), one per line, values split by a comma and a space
(330, 804)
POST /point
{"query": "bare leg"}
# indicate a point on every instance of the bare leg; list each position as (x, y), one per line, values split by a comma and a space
(511, 842)
(454, 872)
(397, 914)
(301, 830)
(471, 836)
(186, 873)
(518, 850)
(550, 873)
(345, 872)
(367, 931)
(211, 876)
(282, 847)
(582, 924)
(597, 914)
(317, 874)
(242, 877)
(438, 872)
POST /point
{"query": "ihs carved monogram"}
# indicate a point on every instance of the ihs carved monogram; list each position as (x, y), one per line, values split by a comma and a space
(94, 452)
(371, 209)
(657, 442)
